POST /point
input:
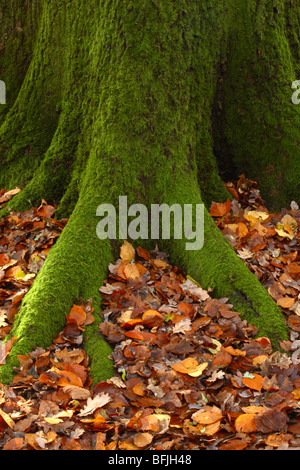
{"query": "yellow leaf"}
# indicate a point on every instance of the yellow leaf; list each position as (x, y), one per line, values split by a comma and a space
(256, 215)
(198, 371)
(53, 420)
(20, 274)
(127, 252)
(284, 234)
(7, 419)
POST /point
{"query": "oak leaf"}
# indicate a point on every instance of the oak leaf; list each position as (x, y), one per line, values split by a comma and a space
(94, 403)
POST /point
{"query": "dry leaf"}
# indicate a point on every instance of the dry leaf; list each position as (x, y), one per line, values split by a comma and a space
(253, 381)
(245, 423)
(77, 393)
(127, 252)
(143, 439)
(94, 403)
(207, 415)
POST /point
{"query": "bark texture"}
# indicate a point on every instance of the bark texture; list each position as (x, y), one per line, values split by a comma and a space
(138, 98)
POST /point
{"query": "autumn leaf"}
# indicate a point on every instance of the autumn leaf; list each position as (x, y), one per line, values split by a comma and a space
(152, 318)
(234, 444)
(207, 415)
(131, 271)
(194, 289)
(77, 393)
(190, 366)
(143, 439)
(94, 403)
(271, 421)
(45, 210)
(285, 302)
(255, 216)
(219, 209)
(245, 423)
(77, 315)
(127, 252)
(14, 444)
(253, 381)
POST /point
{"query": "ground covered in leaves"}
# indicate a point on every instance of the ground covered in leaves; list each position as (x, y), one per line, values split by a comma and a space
(190, 373)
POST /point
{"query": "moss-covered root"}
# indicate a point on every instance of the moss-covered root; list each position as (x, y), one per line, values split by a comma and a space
(74, 269)
(217, 266)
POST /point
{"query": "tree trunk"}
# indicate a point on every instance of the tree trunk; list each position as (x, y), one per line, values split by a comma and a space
(123, 98)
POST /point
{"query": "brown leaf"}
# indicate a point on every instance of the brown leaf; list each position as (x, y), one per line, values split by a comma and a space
(14, 444)
(45, 210)
(234, 444)
(152, 318)
(143, 439)
(271, 421)
(77, 315)
(219, 209)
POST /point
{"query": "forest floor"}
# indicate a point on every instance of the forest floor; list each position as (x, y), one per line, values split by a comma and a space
(190, 373)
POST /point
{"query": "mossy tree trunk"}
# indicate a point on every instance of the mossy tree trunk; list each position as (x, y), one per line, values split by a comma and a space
(119, 98)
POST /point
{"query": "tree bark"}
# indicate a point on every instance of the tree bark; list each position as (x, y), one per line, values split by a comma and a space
(122, 98)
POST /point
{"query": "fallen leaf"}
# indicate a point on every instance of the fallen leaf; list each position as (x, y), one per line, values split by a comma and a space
(219, 209)
(207, 415)
(245, 423)
(285, 302)
(127, 252)
(94, 403)
(143, 439)
(253, 381)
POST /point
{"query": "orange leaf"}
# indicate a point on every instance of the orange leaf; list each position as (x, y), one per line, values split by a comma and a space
(69, 378)
(134, 334)
(143, 253)
(235, 352)
(142, 439)
(276, 440)
(245, 423)
(45, 211)
(131, 271)
(185, 366)
(218, 209)
(152, 318)
(4, 259)
(159, 264)
(77, 315)
(5, 349)
(127, 252)
(190, 366)
(254, 382)
(286, 302)
(207, 415)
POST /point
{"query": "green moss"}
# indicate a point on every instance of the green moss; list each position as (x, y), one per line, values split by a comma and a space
(122, 103)
(257, 129)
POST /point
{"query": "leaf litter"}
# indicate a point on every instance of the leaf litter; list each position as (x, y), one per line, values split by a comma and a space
(190, 373)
